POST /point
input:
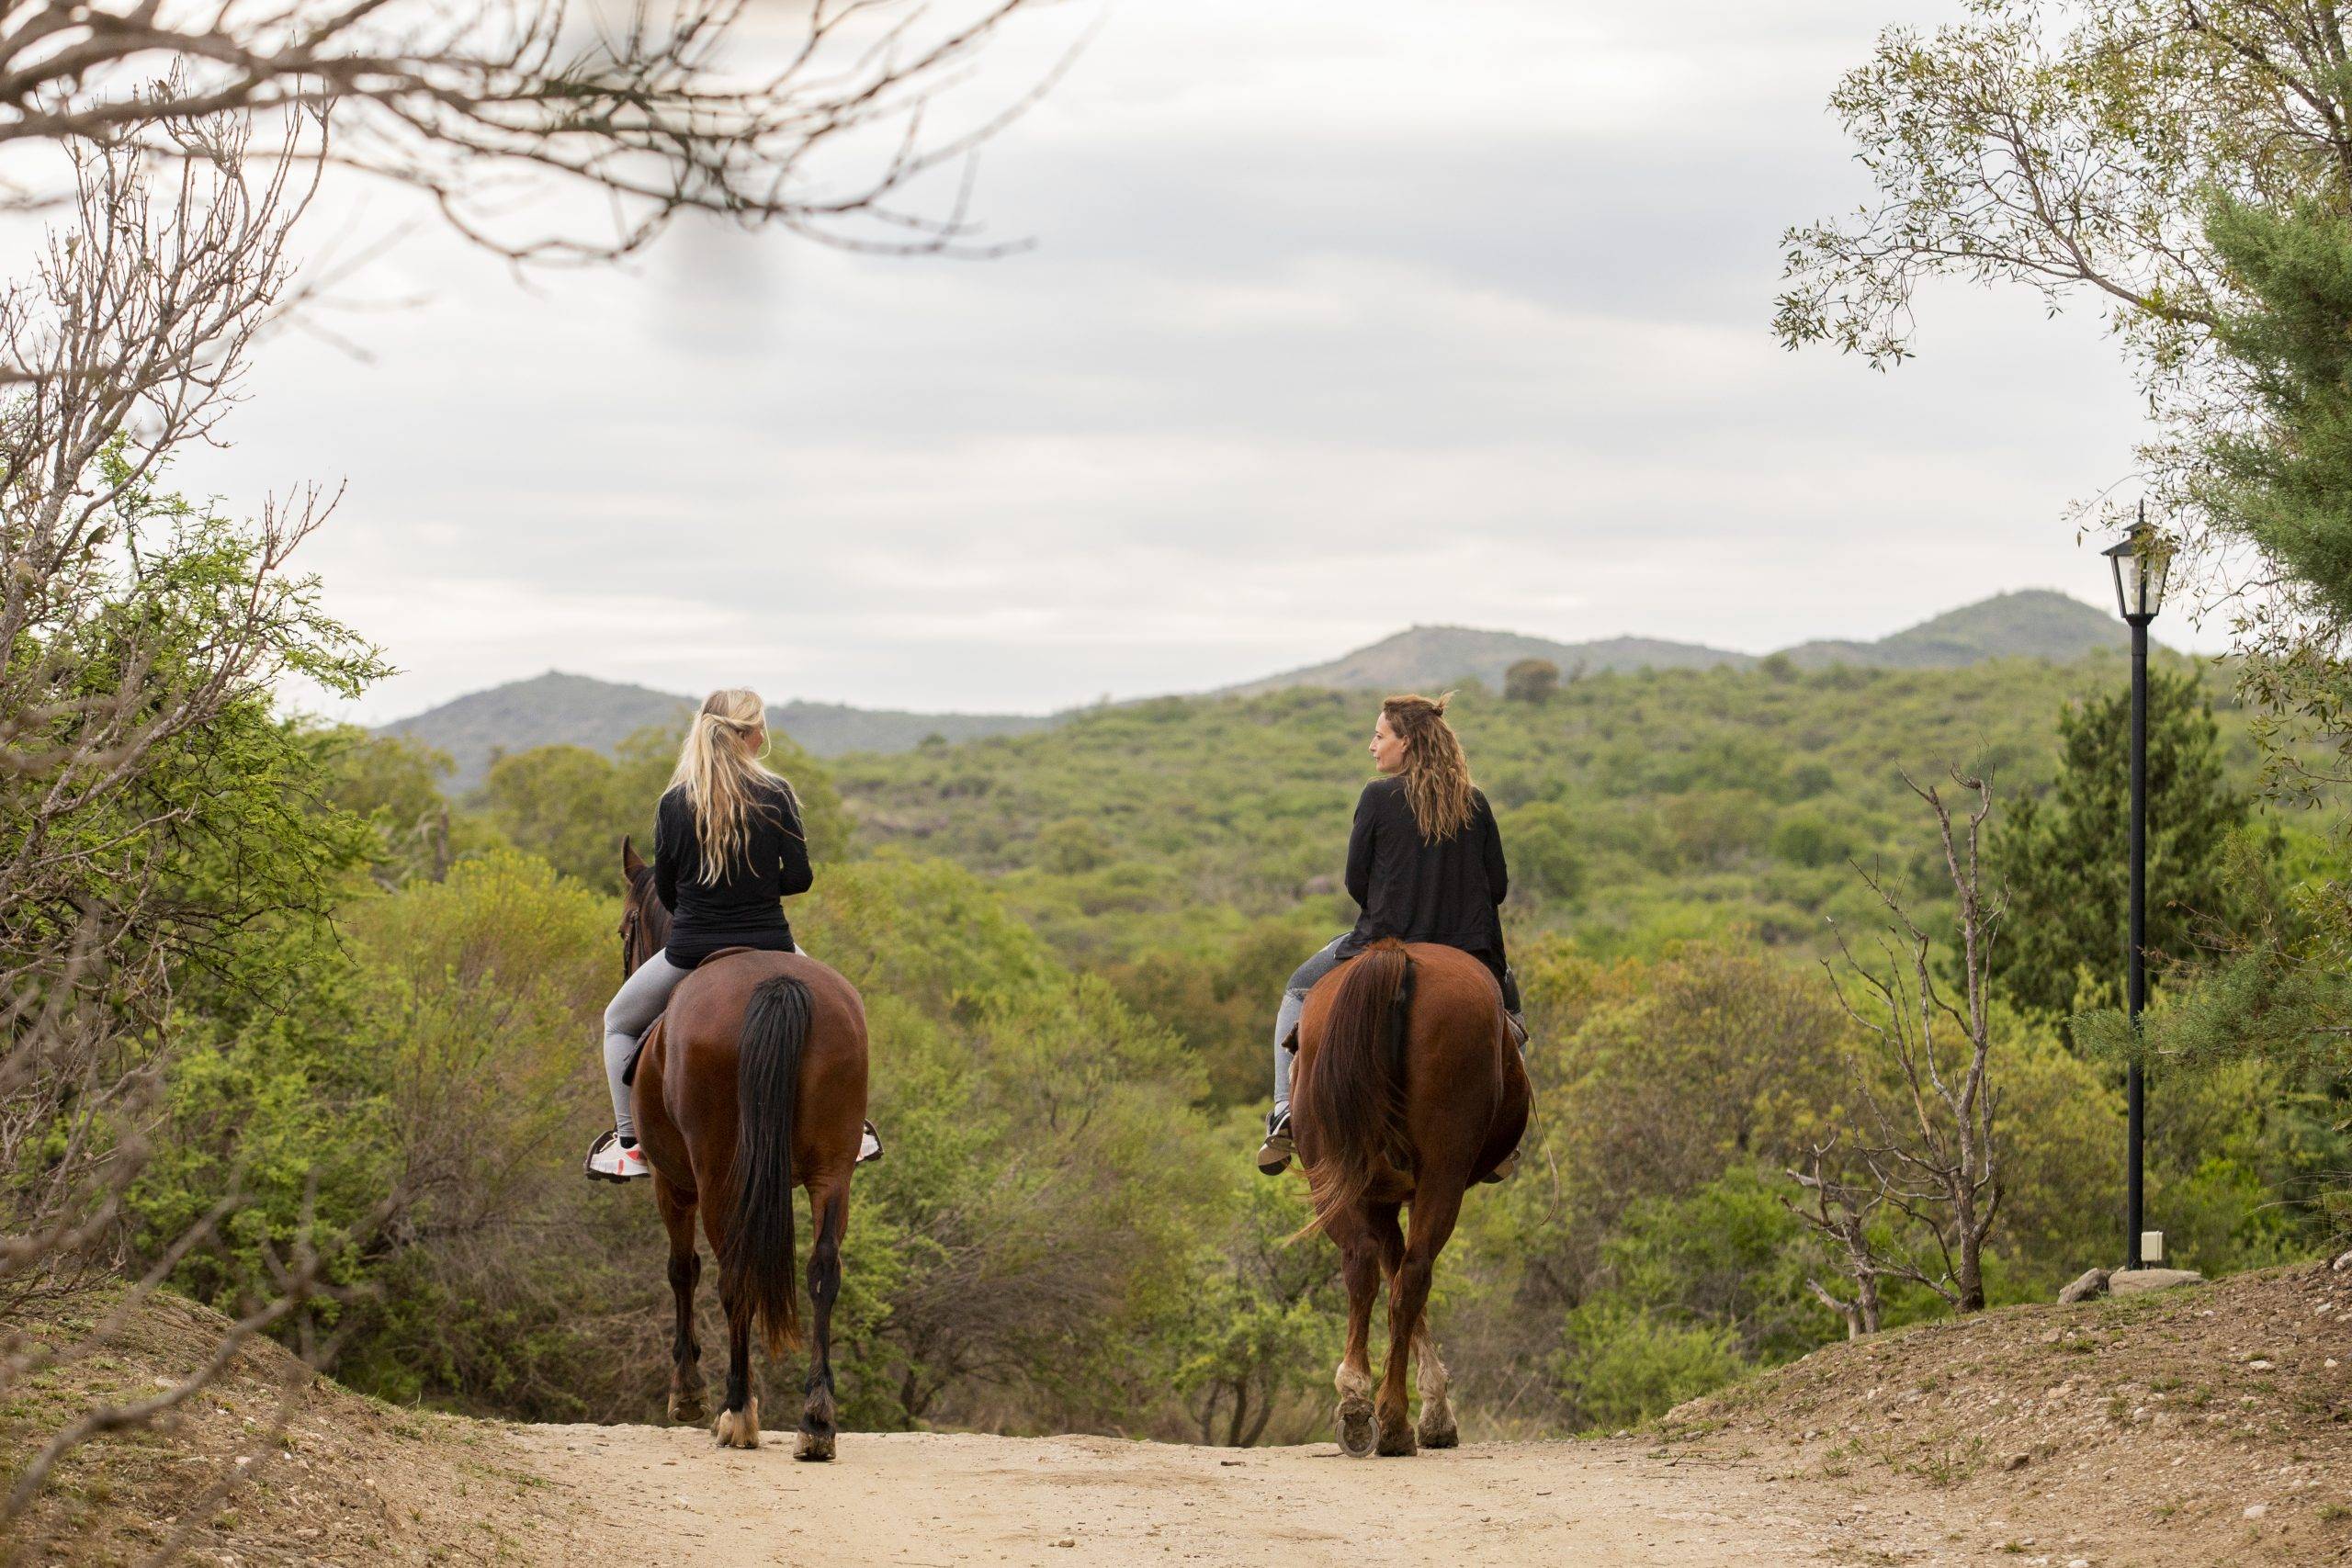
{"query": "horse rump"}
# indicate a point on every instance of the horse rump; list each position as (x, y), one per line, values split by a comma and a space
(755, 1278)
(1353, 1095)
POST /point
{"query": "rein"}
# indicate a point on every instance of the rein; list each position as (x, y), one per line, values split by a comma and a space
(634, 921)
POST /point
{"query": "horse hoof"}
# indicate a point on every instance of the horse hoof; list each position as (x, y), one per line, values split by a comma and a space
(1356, 1428)
(688, 1409)
(1440, 1435)
(739, 1428)
(814, 1447)
(1397, 1444)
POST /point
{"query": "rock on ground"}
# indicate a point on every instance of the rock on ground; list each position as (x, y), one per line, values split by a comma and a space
(2092, 1284)
(2135, 1281)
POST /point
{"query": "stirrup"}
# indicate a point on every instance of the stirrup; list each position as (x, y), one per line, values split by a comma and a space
(1503, 1172)
(608, 1161)
(1274, 1154)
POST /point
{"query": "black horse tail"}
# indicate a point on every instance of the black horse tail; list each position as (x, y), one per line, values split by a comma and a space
(756, 1261)
(1352, 1095)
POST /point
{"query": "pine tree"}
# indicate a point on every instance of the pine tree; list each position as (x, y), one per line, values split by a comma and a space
(2063, 855)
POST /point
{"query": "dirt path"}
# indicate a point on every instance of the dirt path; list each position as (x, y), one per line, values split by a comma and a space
(658, 1495)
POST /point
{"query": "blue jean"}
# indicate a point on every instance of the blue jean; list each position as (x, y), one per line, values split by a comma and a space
(1302, 980)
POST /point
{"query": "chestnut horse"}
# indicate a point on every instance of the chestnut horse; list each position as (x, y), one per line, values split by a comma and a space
(752, 1081)
(1405, 1091)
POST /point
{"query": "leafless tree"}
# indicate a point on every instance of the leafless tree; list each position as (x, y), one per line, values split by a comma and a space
(1924, 1150)
(810, 114)
(1841, 1211)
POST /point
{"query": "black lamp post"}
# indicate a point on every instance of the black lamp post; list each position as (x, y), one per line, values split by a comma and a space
(2139, 560)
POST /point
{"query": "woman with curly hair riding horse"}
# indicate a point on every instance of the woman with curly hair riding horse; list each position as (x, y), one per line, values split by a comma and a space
(1425, 863)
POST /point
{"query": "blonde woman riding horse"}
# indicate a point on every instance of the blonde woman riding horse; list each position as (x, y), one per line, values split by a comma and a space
(728, 850)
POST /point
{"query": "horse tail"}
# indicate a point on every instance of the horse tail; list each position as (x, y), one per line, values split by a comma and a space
(1356, 1087)
(755, 1278)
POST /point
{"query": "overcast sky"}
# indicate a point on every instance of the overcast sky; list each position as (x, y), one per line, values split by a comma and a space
(1338, 319)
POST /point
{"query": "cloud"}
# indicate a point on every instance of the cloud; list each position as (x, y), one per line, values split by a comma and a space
(1451, 315)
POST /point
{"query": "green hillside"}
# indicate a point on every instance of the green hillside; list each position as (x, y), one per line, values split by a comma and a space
(1636, 807)
(2035, 623)
(557, 709)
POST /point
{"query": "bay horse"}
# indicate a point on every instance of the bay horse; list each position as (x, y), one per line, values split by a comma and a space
(1406, 1090)
(753, 1080)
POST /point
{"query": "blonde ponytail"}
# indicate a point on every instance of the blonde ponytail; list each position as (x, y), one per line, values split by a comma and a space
(723, 781)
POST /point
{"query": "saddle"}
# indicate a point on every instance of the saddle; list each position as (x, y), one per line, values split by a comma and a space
(629, 1074)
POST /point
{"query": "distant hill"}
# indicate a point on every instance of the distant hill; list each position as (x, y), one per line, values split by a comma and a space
(829, 730)
(2034, 623)
(1438, 656)
(578, 710)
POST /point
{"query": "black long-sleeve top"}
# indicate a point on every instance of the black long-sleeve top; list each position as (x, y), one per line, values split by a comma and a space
(1417, 891)
(743, 908)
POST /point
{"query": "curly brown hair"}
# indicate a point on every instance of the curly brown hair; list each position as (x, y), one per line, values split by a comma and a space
(1437, 774)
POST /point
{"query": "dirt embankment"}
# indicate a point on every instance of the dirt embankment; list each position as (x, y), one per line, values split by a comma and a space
(270, 1464)
(2210, 1423)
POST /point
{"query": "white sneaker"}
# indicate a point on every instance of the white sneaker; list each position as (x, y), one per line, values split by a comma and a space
(608, 1161)
(869, 1145)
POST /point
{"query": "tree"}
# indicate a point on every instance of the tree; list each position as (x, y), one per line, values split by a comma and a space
(2278, 477)
(2186, 165)
(2077, 150)
(160, 824)
(1530, 681)
(685, 109)
(1548, 850)
(559, 803)
(2068, 149)
(2064, 857)
(1922, 1135)
(1264, 1322)
(570, 806)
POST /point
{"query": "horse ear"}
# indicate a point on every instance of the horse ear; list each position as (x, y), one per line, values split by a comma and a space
(630, 863)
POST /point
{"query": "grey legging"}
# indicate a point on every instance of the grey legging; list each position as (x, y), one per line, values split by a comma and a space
(1303, 980)
(626, 1018)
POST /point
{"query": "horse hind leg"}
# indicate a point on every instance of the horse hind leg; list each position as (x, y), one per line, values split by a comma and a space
(738, 1426)
(1435, 1208)
(1360, 1268)
(817, 1430)
(686, 1273)
(1437, 1429)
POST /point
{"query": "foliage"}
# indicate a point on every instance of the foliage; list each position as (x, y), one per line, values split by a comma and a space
(396, 786)
(1530, 681)
(1265, 1320)
(2063, 857)
(1636, 810)
(1065, 1233)
(572, 806)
